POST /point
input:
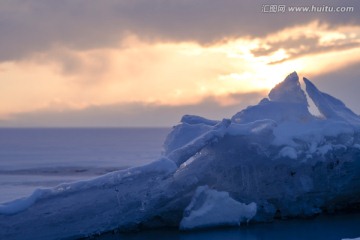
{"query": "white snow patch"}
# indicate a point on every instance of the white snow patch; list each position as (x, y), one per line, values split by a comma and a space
(289, 152)
(236, 129)
(210, 208)
(324, 149)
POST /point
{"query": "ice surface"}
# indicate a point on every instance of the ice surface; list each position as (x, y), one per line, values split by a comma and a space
(330, 107)
(275, 154)
(181, 154)
(161, 166)
(289, 91)
(209, 208)
(289, 152)
(287, 102)
(21, 204)
(192, 119)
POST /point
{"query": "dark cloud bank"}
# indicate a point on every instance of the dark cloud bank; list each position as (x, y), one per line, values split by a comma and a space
(29, 26)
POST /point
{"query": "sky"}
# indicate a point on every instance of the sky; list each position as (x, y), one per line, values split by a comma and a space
(145, 63)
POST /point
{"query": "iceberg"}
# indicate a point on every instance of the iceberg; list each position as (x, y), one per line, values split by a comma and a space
(273, 160)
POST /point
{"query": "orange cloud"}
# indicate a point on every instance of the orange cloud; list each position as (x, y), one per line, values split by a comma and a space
(167, 73)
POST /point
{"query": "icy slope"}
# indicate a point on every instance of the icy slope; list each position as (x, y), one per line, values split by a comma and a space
(270, 160)
(329, 106)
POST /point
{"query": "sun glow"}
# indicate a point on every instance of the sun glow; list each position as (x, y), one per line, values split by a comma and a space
(170, 73)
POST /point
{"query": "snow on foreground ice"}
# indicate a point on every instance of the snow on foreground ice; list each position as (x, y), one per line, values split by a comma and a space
(212, 208)
(271, 160)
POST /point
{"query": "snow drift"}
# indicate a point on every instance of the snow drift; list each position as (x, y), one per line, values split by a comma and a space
(271, 160)
(209, 207)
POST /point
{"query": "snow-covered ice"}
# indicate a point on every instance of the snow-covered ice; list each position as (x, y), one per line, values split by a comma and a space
(271, 160)
(209, 207)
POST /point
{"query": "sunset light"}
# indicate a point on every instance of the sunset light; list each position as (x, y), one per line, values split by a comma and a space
(179, 119)
(62, 78)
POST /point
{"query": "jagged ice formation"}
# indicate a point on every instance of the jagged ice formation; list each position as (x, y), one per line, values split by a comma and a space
(271, 160)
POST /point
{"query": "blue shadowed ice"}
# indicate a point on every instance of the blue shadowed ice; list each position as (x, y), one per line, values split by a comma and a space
(271, 160)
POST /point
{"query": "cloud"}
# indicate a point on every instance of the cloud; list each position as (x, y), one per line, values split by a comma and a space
(164, 73)
(132, 114)
(172, 74)
(34, 26)
(74, 55)
(342, 83)
(303, 40)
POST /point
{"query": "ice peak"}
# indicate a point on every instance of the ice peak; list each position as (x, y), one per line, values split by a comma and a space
(288, 90)
(287, 102)
(329, 106)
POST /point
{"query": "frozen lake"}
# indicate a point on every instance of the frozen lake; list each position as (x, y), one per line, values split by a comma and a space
(32, 158)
